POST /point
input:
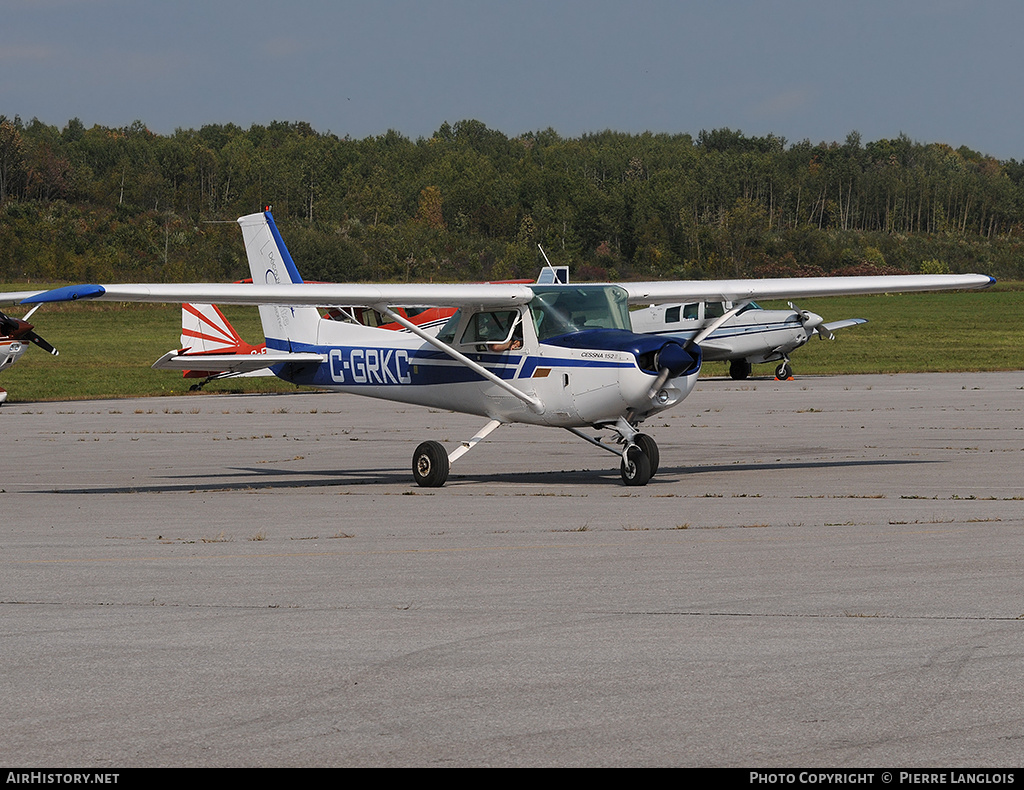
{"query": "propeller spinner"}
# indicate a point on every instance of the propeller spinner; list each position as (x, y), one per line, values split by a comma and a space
(812, 323)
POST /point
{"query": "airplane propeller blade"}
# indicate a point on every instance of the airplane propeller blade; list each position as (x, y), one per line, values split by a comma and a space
(659, 382)
(812, 322)
(22, 330)
(34, 338)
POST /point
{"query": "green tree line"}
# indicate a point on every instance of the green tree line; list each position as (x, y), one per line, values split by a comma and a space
(470, 203)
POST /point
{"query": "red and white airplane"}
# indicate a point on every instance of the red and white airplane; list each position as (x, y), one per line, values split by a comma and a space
(16, 334)
(560, 356)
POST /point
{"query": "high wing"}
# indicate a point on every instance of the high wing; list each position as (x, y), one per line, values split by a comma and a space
(296, 294)
(16, 297)
(500, 295)
(737, 291)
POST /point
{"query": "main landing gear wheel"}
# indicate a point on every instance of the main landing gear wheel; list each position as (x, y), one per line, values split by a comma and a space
(636, 467)
(739, 369)
(783, 371)
(650, 448)
(430, 465)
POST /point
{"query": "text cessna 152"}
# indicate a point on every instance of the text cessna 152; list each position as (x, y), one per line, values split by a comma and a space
(561, 356)
(16, 334)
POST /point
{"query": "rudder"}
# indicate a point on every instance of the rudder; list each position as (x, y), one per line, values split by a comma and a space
(270, 263)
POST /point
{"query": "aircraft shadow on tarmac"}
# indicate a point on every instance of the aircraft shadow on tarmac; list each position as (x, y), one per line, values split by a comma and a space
(249, 478)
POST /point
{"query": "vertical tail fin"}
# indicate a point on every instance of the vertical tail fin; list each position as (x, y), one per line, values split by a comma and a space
(286, 328)
(204, 329)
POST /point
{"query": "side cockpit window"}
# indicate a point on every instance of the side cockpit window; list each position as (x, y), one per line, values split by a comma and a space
(714, 309)
(490, 326)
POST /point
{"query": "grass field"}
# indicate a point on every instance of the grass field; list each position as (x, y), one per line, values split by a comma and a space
(106, 349)
(913, 333)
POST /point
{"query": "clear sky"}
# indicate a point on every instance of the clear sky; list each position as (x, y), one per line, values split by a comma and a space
(946, 71)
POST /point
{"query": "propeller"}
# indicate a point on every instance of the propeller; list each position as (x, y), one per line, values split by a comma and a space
(17, 329)
(812, 322)
(670, 361)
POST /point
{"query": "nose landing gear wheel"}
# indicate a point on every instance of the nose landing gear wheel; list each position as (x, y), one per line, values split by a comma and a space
(783, 371)
(430, 465)
(636, 467)
(650, 448)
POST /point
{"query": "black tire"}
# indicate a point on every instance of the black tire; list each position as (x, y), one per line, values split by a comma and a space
(783, 371)
(430, 465)
(635, 468)
(739, 369)
(650, 448)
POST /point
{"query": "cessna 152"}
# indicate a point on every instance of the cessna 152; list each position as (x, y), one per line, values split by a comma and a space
(16, 334)
(562, 356)
(743, 334)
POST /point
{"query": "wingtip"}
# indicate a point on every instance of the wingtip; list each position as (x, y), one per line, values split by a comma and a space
(69, 293)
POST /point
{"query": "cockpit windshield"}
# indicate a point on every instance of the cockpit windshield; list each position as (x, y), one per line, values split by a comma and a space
(561, 310)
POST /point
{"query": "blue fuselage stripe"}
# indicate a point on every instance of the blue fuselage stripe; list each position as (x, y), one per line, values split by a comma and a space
(375, 366)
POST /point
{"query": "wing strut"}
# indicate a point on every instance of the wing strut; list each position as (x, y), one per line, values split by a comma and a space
(535, 404)
(465, 447)
(698, 338)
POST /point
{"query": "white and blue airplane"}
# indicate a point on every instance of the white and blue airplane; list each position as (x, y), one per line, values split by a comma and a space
(554, 355)
(741, 333)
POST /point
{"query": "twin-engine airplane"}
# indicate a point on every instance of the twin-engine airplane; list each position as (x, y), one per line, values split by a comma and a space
(16, 334)
(563, 356)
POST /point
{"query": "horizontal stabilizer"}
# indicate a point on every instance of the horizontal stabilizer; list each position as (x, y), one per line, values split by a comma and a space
(233, 363)
(834, 325)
